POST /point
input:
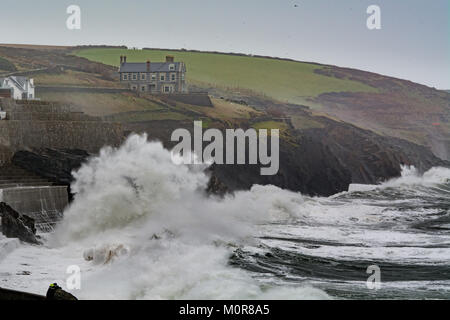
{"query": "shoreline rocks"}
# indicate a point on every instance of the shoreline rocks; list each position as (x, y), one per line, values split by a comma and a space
(15, 225)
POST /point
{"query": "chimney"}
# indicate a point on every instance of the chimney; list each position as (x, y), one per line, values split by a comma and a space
(124, 59)
(169, 58)
(148, 65)
(121, 60)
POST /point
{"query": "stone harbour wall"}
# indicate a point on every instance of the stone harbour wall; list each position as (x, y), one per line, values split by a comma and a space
(40, 124)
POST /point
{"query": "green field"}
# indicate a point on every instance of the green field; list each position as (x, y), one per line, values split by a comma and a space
(289, 81)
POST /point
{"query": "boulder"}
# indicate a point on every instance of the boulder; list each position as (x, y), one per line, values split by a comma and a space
(55, 292)
(15, 225)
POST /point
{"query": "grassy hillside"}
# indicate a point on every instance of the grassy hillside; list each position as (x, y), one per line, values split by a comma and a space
(385, 105)
(283, 80)
(6, 65)
(74, 78)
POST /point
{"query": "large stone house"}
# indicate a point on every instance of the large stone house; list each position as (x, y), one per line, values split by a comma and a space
(154, 77)
(20, 88)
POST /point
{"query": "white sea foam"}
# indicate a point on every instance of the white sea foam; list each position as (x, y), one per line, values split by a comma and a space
(141, 227)
(410, 177)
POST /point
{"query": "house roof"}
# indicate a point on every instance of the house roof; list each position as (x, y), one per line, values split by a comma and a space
(19, 81)
(154, 67)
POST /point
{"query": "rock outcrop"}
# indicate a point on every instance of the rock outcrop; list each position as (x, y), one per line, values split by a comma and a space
(55, 292)
(54, 165)
(15, 225)
(371, 158)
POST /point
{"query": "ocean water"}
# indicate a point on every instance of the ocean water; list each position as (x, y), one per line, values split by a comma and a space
(141, 227)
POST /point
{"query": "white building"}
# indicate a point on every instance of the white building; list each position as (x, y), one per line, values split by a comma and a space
(22, 88)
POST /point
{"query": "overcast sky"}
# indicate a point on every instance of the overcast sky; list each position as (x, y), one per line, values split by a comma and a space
(413, 43)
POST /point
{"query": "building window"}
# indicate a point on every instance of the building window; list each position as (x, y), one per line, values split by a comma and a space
(134, 76)
(153, 76)
(182, 76)
(143, 76)
(173, 77)
(166, 89)
(171, 67)
(142, 88)
(125, 76)
(162, 77)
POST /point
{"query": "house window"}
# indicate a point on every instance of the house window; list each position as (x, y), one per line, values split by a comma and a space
(172, 77)
(143, 76)
(172, 67)
(182, 76)
(134, 76)
(133, 87)
(153, 76)
(162, 77)
(125, 76)
(166, 89)
(142, 88)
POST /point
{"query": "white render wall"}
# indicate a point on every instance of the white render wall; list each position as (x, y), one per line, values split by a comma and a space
(17, 92)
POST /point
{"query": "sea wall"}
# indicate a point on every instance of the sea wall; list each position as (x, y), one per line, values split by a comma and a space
(44, 204)
(40, 124)
(86, 135)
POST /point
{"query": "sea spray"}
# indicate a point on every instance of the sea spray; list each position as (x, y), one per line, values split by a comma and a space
(147, 229)
(412, 177)
(136, 232)
(142, 228)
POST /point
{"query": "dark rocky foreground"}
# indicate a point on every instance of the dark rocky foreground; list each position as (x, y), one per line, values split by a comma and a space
(15, 225)
(12, 295)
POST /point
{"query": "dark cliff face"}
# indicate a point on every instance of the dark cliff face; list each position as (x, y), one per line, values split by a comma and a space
(307, 167)
(371, 158)
(317, 161)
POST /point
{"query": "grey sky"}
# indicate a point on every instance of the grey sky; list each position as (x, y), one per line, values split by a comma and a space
(413, 43)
